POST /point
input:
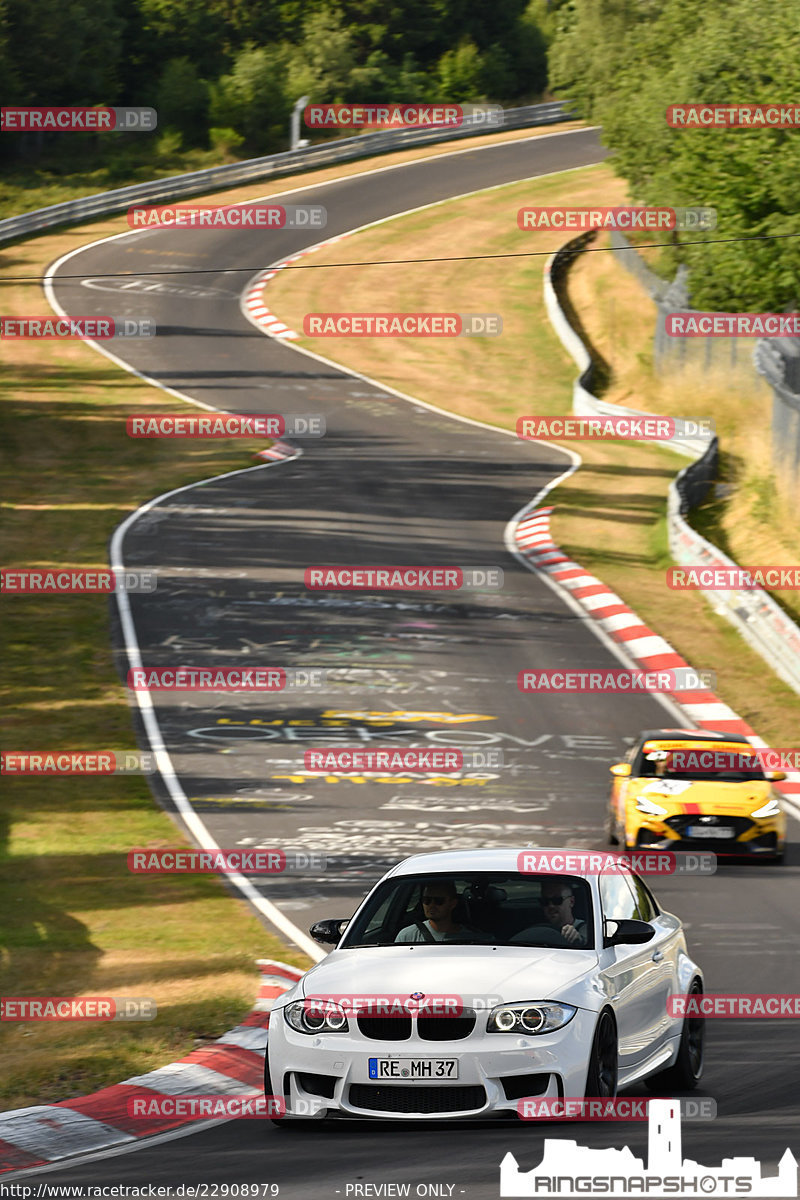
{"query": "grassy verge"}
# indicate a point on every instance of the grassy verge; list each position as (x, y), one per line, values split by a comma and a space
(746, 515)
(610, 515)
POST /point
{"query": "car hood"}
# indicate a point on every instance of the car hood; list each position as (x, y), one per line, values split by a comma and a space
(735, 799)
(474, 973)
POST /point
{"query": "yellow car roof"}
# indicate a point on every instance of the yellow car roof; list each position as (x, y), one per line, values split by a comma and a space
(698, 746)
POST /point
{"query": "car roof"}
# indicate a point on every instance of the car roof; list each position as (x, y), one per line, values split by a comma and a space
(505, 858)
(689, 735)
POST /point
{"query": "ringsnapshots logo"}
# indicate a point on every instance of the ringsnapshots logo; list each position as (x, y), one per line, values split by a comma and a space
(228, 216)
(25, 581)
(397, 760)
(694, 576)
(50, 328)
(609, 862)
(77, 120)
(618, 679)
(618, 1108)
(413, 579)
(397, 324)
(614, 428)
(77, 1008)
(731, 325)
(258, 861)
(627, 218)
(225, 425)
(225, 679)
(568, 1169)
(402, 116)
(733, 116)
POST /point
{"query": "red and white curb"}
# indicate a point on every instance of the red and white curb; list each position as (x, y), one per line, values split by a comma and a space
(253, 299)
(534, 542)
(278, 451)
(232, 1065)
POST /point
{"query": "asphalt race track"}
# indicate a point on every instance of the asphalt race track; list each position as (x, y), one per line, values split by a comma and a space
(392, 483)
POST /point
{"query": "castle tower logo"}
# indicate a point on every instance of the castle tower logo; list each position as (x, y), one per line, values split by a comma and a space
(568, 1169)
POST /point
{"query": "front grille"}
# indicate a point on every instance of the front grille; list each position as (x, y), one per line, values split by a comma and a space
(445, 1029)
(517, 1086)
(318, 1085)
(385, 1029)
(728, 845)
(423, 1100)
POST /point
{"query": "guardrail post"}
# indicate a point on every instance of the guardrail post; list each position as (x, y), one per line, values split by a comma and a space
(295, 141)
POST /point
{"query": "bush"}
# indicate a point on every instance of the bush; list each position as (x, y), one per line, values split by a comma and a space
(182, 101)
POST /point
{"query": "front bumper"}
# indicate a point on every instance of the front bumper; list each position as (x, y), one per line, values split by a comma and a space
(325, 1074)
(754, 838)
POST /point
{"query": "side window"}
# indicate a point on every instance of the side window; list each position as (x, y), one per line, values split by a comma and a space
(617, 898)
(645, 905)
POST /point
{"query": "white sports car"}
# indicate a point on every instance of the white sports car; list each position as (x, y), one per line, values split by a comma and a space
(466, 982)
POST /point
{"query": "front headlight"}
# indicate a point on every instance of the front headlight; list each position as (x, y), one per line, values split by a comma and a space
(770, 809)
(308, 1017)
(649, 807)
(532, 1016)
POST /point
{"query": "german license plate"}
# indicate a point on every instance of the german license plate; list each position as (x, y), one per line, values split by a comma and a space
(413, 1068)
(711, 831)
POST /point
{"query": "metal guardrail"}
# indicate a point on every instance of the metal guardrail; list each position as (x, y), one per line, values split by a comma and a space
(287, 162)
(584, 403)
(756, 616)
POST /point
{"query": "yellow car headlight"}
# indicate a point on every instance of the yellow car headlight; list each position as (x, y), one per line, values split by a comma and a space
(770, 809)
(649, 807)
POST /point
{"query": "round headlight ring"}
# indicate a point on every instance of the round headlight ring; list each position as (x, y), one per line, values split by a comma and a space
(505, 1019)
(532, 1019)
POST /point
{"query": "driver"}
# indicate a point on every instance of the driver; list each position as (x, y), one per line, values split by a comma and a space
(439, 899)
(558, 901)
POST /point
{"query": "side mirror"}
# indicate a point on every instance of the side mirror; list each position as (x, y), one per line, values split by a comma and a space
(621, 769)
(329, 931)
(627, 932)
(776, 776)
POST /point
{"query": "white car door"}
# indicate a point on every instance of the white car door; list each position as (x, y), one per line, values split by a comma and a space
(635, 978)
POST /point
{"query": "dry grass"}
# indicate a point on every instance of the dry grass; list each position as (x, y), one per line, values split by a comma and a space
(747, 515)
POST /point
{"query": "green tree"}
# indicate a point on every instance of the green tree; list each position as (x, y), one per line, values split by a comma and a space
(64, 51)
(461, 73)
(625, 62)
(8, 72)
(251, 100)
(322, 65)
(182, 101)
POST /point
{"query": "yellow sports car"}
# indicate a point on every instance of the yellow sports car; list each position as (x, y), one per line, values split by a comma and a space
(684, 789)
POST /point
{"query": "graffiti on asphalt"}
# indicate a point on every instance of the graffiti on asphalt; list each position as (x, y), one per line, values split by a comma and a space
(595, 747)
(400, 839)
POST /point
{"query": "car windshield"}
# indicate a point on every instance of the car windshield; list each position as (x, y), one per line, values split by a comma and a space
(699, 761)
(476, 908)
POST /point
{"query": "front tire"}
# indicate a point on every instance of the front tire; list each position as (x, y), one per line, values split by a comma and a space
(687, 1070)
(601, 1078)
